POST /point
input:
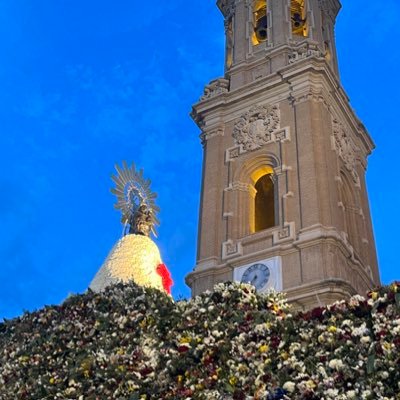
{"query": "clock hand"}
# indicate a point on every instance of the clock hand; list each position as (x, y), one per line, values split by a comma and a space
(254, 279)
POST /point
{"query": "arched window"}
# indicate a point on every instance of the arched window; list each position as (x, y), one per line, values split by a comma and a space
(298, 17)
(260, 21)
(263, 207)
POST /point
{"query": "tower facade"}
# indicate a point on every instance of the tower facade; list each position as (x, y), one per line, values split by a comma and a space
(284, 201)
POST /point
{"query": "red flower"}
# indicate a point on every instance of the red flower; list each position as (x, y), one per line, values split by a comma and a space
(167, 281)
(183, 349)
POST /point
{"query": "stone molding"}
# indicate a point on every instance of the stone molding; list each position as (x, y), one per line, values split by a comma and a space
(305, 50)
(211, 134)
(314, 94)
(240, 186)
(345, 148)
(215, 88)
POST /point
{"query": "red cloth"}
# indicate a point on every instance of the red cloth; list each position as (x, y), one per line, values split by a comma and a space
(167, 281)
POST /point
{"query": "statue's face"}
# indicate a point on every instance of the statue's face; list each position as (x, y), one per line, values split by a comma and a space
(142, 227)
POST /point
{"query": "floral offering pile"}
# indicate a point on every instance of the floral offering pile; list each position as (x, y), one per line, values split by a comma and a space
(133, 343)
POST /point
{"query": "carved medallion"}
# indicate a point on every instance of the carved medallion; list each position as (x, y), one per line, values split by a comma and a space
(254, 129)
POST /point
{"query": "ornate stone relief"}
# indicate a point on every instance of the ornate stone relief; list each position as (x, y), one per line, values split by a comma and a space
(215, 88)
(231, 249)
(256, 128)
(284, 234)
(305, 51)
(345, 149)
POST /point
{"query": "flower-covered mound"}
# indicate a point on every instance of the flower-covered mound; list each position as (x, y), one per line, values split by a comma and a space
(135, 343)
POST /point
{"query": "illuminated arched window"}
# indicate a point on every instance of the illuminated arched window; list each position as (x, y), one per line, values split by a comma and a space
(260, 21)
(264, 206)
(264, 200)
(298, 17)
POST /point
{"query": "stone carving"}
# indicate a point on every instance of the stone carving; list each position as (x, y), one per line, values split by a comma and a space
(305, 51)
(285, 233)
(282, 135)
(232, 153)
(345, 148)
(231, 249)
(254, 129)
(214, 88)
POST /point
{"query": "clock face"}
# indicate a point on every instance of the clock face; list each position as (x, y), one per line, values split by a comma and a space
(257, 275)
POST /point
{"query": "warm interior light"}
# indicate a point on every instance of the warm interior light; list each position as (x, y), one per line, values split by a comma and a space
(256, 175)
(260, 22)
(298, 17)
(262, 206)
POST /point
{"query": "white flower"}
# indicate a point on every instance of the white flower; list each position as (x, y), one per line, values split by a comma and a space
(289, 386)
(351, 394)
(366, 394)
(336, 364)
(365, 339)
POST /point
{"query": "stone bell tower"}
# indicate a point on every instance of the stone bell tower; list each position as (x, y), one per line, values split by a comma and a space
(284, 202)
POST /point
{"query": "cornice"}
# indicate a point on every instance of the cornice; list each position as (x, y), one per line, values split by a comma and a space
(275, 88)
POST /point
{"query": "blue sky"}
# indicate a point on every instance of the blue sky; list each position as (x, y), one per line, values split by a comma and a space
(87, 84)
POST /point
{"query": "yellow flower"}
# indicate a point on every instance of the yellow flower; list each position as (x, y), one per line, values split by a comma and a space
(374, 295)
(332, 329)
(387, 346)
(310, 384)
(52, 381)
(284, 355)
(142, 324)
(24, 359)
(86, 374)
(264, 348)
(180, 378)
(233, 380)
(185, 339)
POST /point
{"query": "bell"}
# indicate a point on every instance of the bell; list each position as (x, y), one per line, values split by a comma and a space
(297, 21)
(261, 29)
